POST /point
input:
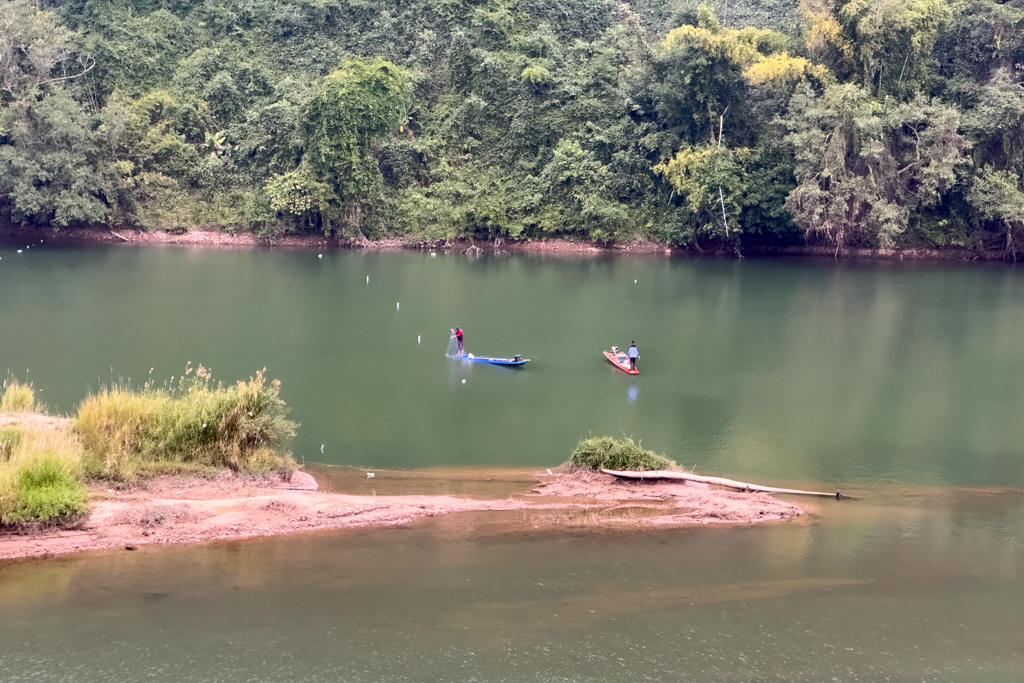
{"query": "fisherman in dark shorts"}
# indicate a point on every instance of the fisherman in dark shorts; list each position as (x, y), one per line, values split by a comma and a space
(633, 354)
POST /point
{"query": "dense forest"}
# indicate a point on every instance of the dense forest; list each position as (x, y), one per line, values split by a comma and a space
(848, 123)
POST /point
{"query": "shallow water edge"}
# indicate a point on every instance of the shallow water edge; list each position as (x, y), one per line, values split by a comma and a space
(470, 246)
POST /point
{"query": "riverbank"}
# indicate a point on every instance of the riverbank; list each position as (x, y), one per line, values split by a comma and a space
(172, 510)
(200, 238)
(214, 239)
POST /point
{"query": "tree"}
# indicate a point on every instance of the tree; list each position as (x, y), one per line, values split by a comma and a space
(997, 196)
(574, 196)
(710, 178)
(862, 171)
(709, 68)
(52, 169)
(298, 195)
(36, 50)
(356, 106)
(885, 44)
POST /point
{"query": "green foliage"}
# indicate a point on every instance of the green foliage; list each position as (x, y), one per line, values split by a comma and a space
(46, 489)
(48, 166)
(581, 119)
(711, 179)
(861, 170)
(195, 422)
(997, 197)
(298, 195)
(606, 452)
(883, 44)
(40, 474)
(136, 53)
(356, 105)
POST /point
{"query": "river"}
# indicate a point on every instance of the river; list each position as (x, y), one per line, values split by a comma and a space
(899, 383)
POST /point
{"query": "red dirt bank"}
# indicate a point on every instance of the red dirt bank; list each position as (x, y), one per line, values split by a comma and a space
(12, 234)
(174, 510)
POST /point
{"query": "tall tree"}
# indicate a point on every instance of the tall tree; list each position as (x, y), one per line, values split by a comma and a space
(356, 106)
(863, 171)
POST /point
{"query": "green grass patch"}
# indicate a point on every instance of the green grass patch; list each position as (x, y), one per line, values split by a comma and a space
(606, 452)
(17, 397)
(41, 474)
(196, 423)
(46, 490)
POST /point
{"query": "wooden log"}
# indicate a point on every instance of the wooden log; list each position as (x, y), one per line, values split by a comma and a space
(717, 481)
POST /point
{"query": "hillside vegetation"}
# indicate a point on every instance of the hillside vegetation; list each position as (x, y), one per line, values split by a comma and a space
(849, 123)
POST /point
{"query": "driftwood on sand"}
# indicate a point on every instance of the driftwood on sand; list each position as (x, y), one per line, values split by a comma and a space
(717, 481)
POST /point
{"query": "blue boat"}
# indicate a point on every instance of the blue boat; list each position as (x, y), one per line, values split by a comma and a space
(516, 361)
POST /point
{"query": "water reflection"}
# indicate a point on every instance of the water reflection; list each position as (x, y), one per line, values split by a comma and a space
(759, 370)
(632, 393)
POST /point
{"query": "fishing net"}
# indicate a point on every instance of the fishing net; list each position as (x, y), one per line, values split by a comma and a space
(453, 347)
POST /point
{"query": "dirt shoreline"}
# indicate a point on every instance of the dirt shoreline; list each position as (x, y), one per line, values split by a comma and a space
(200, 238)
(14, 235)
(178, 510)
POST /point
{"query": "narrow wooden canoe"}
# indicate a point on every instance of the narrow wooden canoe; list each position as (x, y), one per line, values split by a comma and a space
(620, 360)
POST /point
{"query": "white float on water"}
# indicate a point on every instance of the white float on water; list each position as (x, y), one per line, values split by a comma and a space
(463, 381)
(319, 255)
(418, 338)
(398, 306)
(367, 279)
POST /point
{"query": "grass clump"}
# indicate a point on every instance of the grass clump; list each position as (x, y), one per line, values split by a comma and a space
(606, 452)
(127, 432)
(10, 437)
(17, 397)
(157, 515)
(40, 481)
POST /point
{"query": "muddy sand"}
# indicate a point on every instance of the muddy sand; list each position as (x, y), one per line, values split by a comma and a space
(175, 510)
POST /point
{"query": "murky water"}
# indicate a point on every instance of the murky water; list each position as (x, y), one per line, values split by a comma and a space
(780, 371)
(925, 588)
(898, 383)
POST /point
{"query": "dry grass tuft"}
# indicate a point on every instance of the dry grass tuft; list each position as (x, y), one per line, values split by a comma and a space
(17, 397)
(197, 423)
(631, 517)
(157, 515)
(281, 506)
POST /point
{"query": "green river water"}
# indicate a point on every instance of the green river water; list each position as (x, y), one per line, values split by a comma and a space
(899, 383)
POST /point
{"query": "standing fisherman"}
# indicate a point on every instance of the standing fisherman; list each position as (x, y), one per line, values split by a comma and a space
(458, 336)
(634, 354)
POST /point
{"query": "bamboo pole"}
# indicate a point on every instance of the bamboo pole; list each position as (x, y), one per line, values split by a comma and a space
(718, 481)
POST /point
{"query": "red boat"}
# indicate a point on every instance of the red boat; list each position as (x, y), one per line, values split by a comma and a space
(620, 360)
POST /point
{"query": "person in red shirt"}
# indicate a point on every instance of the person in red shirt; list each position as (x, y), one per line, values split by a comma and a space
(458, 337)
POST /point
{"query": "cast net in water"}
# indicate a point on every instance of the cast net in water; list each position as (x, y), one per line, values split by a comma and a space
(453, 347)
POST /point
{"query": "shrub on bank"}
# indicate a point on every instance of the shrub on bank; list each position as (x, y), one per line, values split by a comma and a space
(40, 476)
(17, 397)
(195, 423)
(606, 452)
